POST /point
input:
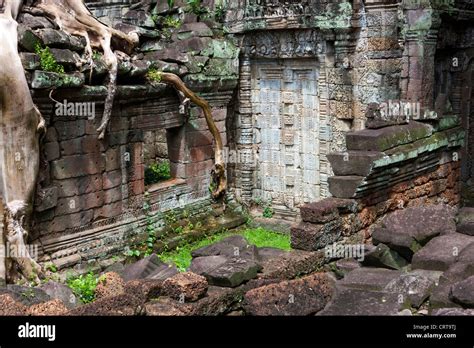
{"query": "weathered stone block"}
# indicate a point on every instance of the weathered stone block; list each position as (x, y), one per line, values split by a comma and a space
(325, 210)
(78, 165)
(70, 129)
(385, 138)
(46, 198)
(51, 151)
(60, 39)
(311, 237)
(344, 186)
(111, 179)
(27, 39)
(47, 79)
(441, 252)
(407, 230)
(30, 61)
(185, 287)
(305, 296)
(357, 163)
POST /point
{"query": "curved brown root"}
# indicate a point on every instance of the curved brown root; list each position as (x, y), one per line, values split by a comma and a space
(218, 174)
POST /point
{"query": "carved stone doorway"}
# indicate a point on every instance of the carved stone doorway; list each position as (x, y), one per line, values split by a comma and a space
(290, 136)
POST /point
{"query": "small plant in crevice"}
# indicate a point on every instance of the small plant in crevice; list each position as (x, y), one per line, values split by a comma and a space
(157, 172)
(84, 286)
(219, 13)
(154, 75)
(150, 228)
(267, 210)
(47, 60)
(196, 7)
(171, 22)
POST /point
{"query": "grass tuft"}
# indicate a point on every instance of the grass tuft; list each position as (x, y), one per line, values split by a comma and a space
(260, 237)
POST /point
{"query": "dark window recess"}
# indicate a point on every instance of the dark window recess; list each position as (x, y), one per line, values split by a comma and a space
(157, 162)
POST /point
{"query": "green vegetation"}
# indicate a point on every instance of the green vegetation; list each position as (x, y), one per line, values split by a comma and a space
(265, 238)
(266, 206)
(267, 212)
(157, 172)
(219, 13)
(195, 7)
(47, 60)
(84, 286)
(151, 240)
(154, 75)
(171, 22)
(259, 237)
(51, 267)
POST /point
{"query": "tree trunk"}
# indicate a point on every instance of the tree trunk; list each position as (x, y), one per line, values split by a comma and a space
(20, 123)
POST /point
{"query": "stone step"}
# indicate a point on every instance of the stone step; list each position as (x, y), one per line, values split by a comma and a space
(386, 138)
(353, 162)
(344, 186)
(465, 221)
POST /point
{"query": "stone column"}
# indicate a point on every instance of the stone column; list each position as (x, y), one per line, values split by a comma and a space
(244, 138)
(420, 33)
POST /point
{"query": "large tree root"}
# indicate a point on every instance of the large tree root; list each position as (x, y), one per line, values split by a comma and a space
(21, 125)
(74, 17)
(219, 177)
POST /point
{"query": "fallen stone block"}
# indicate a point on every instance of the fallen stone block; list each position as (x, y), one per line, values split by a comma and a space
(26, 295)
(110, 284)
(370, 279)
(383, 256)
(407, 230)
(233, 272)
(150, 267)
(465, 221)
(463, 292)
(312, 237)
(357, 302)
(185, 287)
(233, 246)
(440, 297)
(61, 292)
(414, 288)
(292, 264)
(441, 252)
(325, 210)
(303, 296)
(54, 307)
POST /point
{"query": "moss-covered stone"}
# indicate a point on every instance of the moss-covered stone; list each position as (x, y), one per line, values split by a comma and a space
(221, 49)
(46, 79)
(222, 67)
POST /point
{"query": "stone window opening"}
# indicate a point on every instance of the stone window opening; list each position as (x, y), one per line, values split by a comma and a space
(158, 167)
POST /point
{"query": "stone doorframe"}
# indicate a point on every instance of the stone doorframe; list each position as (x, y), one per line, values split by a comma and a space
(295, 44)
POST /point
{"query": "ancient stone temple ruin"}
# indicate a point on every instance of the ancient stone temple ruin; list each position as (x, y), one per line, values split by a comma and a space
(347, 127)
